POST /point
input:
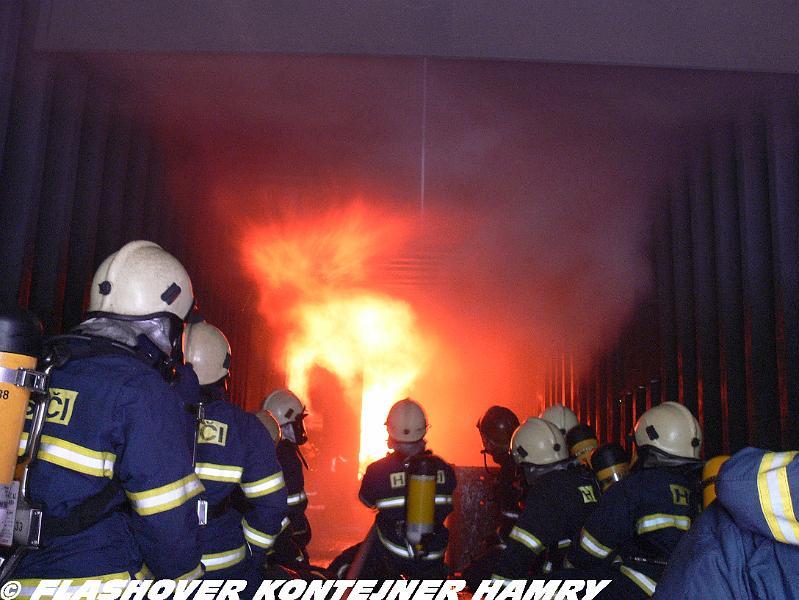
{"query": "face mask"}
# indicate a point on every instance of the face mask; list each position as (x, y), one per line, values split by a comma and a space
(408, 448)
(294, 431)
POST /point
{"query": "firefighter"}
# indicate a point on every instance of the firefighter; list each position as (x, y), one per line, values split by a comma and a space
(610, 464)
(560, 416)
(289, 411)
(496, 427)
(745, 545)
(562, 494)
(113, 474)
(634, 530)
(581, 441)
(411, 538)
(232, 450)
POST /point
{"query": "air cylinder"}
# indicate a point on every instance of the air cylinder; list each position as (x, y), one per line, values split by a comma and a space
(710, 473)
(20, 345)
(420, 502)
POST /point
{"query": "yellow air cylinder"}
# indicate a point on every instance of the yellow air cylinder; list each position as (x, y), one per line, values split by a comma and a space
(20, 343)
(710, 473)
(420, 501)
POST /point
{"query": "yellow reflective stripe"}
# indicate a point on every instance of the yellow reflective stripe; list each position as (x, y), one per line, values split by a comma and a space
(144, 573)
(166, 497)
(775, 496)
(195, 573)
(23, 443)
(76, 458)
(654, 522)
(262, 487)
(214, 472)
(505, 581)
(590, 544)
(29, 585)
(223, 560)
(261, 538)
(394, 502)
(526, 538)
(647, 584)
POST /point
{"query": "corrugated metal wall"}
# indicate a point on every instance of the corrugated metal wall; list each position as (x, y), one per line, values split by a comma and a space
(79, 175)
(721, 331)
(82, 173)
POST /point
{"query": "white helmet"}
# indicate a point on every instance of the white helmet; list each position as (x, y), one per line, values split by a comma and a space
(284, 406)
(289, 412)
(141, 279)
(406, 421)
(560, 416)
(270, 422)
(208, 351)
(538, 442)
(671, 428)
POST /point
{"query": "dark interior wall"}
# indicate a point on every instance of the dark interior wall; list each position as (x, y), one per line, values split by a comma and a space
(80, 175)
(721, 332)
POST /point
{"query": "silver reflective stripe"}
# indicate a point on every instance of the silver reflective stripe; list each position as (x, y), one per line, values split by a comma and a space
(590, 545)
(214, 472)
(262, 487)
(403, 551)
(166, 497)
(658, 521)
(526, 538)
(774, 491)
(641, 580)
(222, 560)
(443, 500)
(395, 502)
(295, 499)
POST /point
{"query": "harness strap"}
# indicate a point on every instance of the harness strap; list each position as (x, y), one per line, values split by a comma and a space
(86, 514)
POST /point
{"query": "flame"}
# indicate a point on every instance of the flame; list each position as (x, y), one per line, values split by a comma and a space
(314, 274)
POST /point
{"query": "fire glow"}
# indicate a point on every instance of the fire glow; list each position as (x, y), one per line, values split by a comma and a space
(314, 274)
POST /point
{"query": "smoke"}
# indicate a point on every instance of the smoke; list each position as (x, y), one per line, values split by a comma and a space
(539, 193)
(533, 238)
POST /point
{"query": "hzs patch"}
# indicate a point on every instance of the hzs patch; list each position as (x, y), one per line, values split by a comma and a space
(60, 408)
(680, 495)
(397, 480)
(587, 493)
(212, 432)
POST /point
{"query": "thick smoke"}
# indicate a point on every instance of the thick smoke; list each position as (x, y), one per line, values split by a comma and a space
(539, 187)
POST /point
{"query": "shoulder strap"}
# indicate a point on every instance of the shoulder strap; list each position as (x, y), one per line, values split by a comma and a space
(60, 349)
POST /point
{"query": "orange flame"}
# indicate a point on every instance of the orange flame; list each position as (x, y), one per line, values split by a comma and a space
(315, 275)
